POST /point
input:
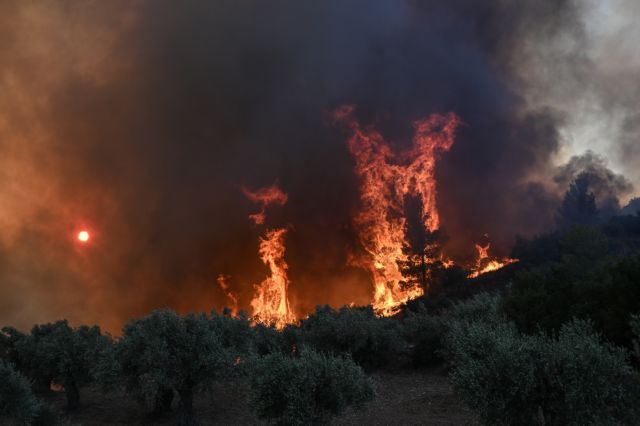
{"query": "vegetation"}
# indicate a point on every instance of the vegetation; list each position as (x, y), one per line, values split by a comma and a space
(511, 378)
(308, 389)
(58, 353)
(372, 342)
(164, 353)
(18, 402)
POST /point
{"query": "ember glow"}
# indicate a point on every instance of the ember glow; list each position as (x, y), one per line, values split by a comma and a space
(386, 178)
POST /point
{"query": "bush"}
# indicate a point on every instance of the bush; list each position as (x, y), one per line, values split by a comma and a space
(493, 371)
(425, 334)
(510, 378)
(585, 381)
(306, 390)
(16, 397)
(18, 402)
(58, 352)
(371, 341)
(635, 327)
(164, 353)
(607, 294)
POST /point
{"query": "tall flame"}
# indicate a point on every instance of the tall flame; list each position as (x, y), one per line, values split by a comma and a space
(386, 178)
(271, 303)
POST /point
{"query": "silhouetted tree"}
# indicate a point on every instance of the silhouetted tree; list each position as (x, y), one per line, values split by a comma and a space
(579, 205)
(423, 249)
(58, 352)
(164, 353)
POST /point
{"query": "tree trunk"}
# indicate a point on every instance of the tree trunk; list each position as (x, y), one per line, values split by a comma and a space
(185, 408)
(73, 394)
(423, 273)
(162, 404)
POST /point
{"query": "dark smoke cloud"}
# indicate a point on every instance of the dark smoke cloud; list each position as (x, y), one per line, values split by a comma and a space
(144, 120)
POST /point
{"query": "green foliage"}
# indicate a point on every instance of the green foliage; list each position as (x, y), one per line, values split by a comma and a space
(635, 328)
(510, 378)
(164, 353)
(607, 292)
(9, 338)
(424, 333)
(16, 397)
(371, 341)
(585, 381)
(58, 352)
(306, 390)
(493, 371)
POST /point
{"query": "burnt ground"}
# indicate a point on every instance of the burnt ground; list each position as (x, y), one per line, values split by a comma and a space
(404, 398)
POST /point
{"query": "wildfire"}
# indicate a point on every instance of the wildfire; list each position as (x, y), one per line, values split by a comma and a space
(270, 304)
(264, 197)
(386, 179)
(222, 282)
(484, 262)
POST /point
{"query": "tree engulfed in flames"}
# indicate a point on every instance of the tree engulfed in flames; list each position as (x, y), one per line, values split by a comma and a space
(484, 262)
(386, 179)
(270, 303)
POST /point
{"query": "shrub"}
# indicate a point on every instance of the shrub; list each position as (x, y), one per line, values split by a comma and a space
(371, 341)
(16, 397)
(493, 371)
(549, 297)
(424, 333)
(164, 353)
(483, 307)
(585, 381)
(306, 390)
(58, 352)
(18, 402)
(635, 327)
(510, 378)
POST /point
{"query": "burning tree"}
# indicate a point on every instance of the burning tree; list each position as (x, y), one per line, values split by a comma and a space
(386, 179)
(422, 249)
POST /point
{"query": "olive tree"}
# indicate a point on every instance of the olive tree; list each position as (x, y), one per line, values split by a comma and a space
(164, 353)
(306, 390)
(18, 402)
(58, 352)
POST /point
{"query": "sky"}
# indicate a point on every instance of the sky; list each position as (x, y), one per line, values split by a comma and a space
(142, 121)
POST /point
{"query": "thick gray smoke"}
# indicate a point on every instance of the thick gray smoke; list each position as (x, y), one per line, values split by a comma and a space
(143, 121)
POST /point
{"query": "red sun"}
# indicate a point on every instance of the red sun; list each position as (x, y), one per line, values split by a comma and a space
(83, 236)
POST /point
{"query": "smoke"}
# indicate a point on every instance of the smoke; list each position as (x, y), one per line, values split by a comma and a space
(607, 186)
(143, 121)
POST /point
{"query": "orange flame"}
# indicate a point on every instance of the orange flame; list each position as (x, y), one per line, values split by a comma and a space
(264, 197)
(385, 180)
(271, 303)
(484, 262)
(222, 282)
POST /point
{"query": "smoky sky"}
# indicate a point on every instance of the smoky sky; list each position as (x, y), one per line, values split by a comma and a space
(143, 121)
